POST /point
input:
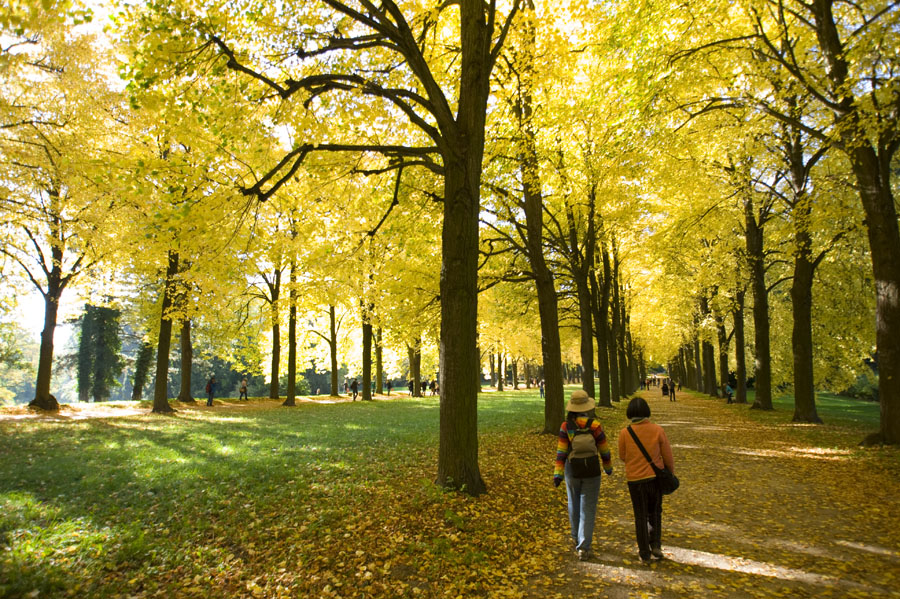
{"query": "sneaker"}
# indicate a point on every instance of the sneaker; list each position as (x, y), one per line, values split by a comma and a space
(656, 552)
(584, 555)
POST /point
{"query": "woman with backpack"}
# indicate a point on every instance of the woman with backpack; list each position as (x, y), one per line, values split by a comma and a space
(579, 449)
(646, 498)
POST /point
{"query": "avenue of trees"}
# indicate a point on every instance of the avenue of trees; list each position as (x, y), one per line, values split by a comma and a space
(557, 190)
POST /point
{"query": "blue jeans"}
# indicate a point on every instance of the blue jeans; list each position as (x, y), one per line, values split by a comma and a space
(583, 494)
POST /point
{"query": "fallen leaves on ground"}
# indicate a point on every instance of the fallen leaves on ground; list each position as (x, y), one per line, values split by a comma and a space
(763, 511)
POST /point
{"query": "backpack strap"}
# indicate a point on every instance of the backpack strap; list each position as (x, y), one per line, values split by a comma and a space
(571, 434)
(640, 446)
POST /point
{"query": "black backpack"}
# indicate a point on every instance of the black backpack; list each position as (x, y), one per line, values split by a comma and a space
(583, 455)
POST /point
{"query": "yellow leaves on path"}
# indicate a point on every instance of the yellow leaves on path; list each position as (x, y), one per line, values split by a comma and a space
(764, 510)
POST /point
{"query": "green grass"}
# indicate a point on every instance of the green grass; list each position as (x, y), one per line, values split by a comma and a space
(86, 504)
(832, 409)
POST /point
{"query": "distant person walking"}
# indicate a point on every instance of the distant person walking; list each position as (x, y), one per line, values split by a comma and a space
(389, 386)
(243, 390)
(580, 447)
(210, 390)
(646, 499)
(354, 387)
(541, 388)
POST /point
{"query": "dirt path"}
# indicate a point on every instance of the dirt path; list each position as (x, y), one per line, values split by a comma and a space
(760, 513)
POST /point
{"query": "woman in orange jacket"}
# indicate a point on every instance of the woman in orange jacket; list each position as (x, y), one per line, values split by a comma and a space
(645, 496)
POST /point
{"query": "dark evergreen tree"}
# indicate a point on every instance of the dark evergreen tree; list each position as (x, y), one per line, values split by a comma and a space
(142, 370)
(99, 361)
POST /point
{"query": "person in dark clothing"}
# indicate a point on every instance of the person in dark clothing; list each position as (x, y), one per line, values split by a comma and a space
(243, 390)
(389, 385)
(354, 387)
(210, 390)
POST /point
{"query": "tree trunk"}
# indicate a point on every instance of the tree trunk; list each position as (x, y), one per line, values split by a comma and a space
(801, 306)
(493, 371)
(872, 167)
(708, 356)
(332, 347)
(884, 240)
(698, 364)
(366, 357)
(614, 383)
(161, 386)
(709, 369)
(275, 372)
(42, 397)
(187, 359)
(723, 342)
(740, 392)
(515, 374)
(291, 394)
(600, 308)
(501, 374)
(622, 360)
(379, 366)
(415, 374)
(630, 356)
(586, 333)
(85, 366)
(756, 258)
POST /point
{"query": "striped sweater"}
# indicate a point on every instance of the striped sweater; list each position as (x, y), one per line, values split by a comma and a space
(564, 446)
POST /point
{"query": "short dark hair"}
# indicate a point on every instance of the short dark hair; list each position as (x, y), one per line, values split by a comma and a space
(637, 408)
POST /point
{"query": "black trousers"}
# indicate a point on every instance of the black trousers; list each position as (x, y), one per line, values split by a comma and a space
(647, 503)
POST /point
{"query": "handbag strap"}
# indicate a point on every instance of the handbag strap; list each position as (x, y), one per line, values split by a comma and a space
(640, 446)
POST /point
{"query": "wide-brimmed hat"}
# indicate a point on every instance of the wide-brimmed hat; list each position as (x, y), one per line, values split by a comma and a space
(579, 401)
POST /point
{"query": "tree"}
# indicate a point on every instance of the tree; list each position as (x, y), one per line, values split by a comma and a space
(55, 132)
(842, 61)
(141, 370)
(385, 34)
(99, 362)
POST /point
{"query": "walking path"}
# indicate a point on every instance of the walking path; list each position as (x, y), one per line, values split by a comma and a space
(762, 511)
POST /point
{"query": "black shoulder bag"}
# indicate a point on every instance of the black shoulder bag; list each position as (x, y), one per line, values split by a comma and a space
(667, 481)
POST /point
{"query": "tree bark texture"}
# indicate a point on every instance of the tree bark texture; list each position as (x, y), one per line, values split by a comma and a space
(600, 308)
(291, 393)
(801, 309)
(873, 177)
(756, 258)
(463, 157)
(332, 348)
(187, 359)
(379, 366)
(698, 364)
(615, 388)
(366, 357)
(275, 371)
(723, 343)
(740, 358)
(161, 386)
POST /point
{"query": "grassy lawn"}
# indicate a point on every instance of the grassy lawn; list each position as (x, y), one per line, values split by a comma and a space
(205, 502)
